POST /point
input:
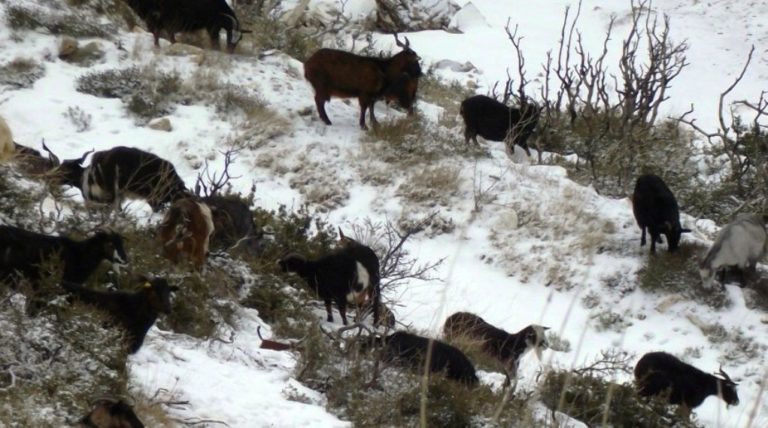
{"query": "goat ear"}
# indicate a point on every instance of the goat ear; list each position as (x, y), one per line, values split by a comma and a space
(246, 31)
(173, 288)
(544, 328)
(341, 234)
(685, 231)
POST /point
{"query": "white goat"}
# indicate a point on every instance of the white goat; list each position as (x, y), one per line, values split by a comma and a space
(741, 243)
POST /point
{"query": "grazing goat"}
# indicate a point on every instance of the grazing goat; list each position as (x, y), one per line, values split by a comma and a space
(659, 373)
(6, 141)
(655, 208)
(337, 277)
(135, 312)
(741, 243)
(412, 350)
(233, 225)
(122, 172)
(505, 347)
(110, 413)
(370, 261)
(174, 16)
(334, 73)
(185, 232)
(495, 121)
(22, 252)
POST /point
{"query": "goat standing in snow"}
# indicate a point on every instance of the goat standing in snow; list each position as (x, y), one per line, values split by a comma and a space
(741, 243)
(655, 208)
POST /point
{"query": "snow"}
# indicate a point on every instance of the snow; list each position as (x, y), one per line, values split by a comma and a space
(529, 256)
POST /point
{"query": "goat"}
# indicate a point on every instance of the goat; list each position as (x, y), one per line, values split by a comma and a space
(135, 312)
(370, 261)
(655, 209)
(110, 413)
(22, 252)
(185, 232)
(658, 373)
(336, 277)
(741, 243)
(121, 172)
(334, 73)
(412, 350)
(7, 145)
(497, 343)
(174, 16)
(233, 224)
(495, 121)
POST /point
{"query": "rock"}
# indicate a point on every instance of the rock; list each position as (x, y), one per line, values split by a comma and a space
(67, 47)
(468, 17)
(447, 64)
(161, 124)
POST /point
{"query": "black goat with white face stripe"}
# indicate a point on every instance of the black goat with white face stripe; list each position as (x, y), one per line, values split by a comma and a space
(121, 172)
(337, 277)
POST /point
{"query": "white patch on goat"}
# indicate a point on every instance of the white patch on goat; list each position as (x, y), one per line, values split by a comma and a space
(363, 280)
(91, 189)
(208, 218)
(537, 347)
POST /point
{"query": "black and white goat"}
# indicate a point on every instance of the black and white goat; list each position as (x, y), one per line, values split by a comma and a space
(659, 373)
(739, 244)
(370, 261)
(337, 277)
(22, 252)
(497, 343)
(136, 312)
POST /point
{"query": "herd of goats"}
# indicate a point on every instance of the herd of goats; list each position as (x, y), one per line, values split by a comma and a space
(349, 275)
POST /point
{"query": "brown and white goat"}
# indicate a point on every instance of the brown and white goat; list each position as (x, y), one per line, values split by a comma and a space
(186, 231)
(497, 343)
(335, 73)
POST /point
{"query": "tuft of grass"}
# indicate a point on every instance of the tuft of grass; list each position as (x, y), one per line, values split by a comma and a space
(21, 73)
(431, 186)
(678, 272)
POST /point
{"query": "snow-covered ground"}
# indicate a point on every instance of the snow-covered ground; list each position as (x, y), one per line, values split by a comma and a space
(529, 256)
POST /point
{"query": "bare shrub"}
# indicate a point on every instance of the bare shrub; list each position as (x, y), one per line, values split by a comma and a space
(431, 186)
(72, 23)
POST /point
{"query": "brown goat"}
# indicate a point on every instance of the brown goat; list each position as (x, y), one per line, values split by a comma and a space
(110, 413)
(335, 73)
(186, 231)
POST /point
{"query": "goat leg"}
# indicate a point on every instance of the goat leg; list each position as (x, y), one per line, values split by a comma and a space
(329, 311)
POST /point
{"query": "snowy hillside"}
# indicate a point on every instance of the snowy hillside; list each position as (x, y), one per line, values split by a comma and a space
(521, 242)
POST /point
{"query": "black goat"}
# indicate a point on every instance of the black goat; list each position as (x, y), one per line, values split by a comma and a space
(110, 413)
(505, 347)
(337, 277)
(659, 373)
(121, 172)
(135, 312)
(335, 73)
(174, 16)
(655, 208)
(370, 261)
(22, 252)
(234, 227)
(494, 121)
(411, 350)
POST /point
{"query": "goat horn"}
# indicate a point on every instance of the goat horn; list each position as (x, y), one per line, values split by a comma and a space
(53, 158)
(725, 375)
(399, 43)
